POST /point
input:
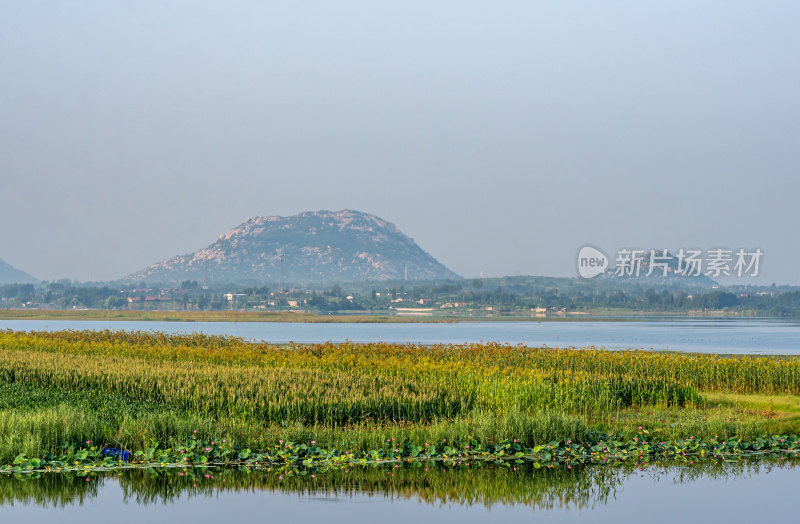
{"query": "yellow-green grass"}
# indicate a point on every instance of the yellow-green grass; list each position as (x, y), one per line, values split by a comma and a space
(771, 406)
(726, 415)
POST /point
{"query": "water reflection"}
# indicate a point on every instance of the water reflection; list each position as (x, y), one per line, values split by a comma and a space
(581, 488)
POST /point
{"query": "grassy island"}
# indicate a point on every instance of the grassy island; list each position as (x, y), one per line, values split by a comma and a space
(66, 396)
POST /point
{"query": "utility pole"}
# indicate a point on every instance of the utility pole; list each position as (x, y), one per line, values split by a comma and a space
(280, 285)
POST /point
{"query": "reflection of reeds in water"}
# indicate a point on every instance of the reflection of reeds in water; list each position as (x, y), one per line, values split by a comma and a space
(580, 487)
(49, 490)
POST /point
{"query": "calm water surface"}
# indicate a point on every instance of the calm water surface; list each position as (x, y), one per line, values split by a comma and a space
(731, 494)
(740, 336)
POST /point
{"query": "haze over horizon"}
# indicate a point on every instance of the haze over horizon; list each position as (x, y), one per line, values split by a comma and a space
(501, 137)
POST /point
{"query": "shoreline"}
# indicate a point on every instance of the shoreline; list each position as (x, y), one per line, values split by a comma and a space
(368, 318)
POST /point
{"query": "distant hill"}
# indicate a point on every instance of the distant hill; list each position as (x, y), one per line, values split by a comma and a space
(316, 246)
(11, 275)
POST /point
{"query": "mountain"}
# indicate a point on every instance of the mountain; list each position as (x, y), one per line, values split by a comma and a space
(316, 246)
(11, 275)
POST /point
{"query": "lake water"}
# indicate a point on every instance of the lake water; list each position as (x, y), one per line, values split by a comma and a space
(731, 493)
(701, 335)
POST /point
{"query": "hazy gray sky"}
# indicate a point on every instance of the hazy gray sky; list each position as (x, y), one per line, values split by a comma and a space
(500, 135)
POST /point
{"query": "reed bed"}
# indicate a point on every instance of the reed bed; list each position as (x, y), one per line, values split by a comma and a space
(324, 384)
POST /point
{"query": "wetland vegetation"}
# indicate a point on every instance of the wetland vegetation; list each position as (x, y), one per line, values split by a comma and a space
(184, 399)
